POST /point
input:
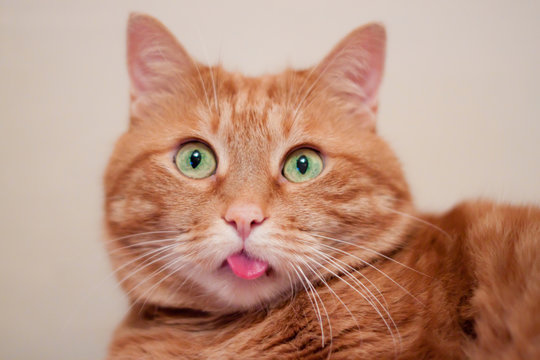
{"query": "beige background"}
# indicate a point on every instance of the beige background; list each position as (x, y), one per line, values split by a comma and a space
(460, 104)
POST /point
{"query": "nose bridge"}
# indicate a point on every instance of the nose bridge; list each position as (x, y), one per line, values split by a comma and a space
(247, 195)
(248, 175)
(247, 187)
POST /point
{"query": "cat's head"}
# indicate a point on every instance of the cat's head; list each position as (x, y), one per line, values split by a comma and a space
(227, 191)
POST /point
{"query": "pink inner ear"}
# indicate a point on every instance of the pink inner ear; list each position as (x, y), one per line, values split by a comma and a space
(139, 71)
(153, 55)
(355, 66)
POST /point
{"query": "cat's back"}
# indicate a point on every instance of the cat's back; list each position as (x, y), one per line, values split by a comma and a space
(499, 245)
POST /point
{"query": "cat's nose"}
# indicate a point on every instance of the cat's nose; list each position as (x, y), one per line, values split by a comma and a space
(244, 217)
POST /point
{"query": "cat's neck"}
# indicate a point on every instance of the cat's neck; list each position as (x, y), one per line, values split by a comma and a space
(192, 320)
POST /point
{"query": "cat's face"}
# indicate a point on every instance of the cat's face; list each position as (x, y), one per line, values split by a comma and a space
(225, 191)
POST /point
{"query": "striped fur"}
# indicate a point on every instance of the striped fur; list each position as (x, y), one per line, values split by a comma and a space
(389, 283)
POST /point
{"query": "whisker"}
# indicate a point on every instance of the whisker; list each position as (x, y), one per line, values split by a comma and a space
(144, 243)
(316, 82)
(153, 252)
(187, 278)
(143, 295)
(143, 234)
(153, 274)
(149, 291)
(329, 258)
(143, 266)
(177, 288)
(327, 315)
(215, 90)
(372, 251)
(422, 221)
(318, 274)
(293, 288)
(378, 270)
(368, 300)
(306, 105)
(313, 302)
(333, 259)
(203, 86)
(291, 79)
(299, 92)
(216, 103)
(322, 304)
(375, 268)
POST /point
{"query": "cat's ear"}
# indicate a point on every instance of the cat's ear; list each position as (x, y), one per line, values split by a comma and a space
(353, 70)
(156, 61)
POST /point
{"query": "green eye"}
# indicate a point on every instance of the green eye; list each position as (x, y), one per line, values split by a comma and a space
(302, 165)
(195, 160)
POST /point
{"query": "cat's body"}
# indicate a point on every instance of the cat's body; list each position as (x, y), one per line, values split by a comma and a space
(463, 308)
(246, 262)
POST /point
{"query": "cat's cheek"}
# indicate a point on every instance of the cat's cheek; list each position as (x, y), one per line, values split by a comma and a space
(125, 210)
(116, 213)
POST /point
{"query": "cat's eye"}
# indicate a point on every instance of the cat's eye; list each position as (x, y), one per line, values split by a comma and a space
(195, 160)
(302, 165)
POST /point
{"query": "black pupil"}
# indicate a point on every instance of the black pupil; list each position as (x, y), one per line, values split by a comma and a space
(302, 164)
(195, 159)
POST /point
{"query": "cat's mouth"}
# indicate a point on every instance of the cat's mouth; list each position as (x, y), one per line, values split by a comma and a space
(246, 267)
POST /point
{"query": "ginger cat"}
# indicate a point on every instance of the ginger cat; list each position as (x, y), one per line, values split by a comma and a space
(264, 218)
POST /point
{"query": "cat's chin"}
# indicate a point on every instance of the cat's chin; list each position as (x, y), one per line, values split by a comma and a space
(244, 294)
(239, 294)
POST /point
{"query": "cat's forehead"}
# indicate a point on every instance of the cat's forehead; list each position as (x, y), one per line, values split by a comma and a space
(243, 111)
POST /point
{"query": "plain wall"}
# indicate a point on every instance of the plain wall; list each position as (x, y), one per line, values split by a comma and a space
(459, 104)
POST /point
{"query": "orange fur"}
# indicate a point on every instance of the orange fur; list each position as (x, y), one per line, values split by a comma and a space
(389, 283)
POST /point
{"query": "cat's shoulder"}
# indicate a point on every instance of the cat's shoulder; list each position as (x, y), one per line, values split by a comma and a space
(486, 236)
(482, 208)
(490, 220)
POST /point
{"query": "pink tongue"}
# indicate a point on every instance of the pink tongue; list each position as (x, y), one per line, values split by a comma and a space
(246, 267)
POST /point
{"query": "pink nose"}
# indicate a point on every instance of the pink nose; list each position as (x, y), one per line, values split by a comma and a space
(244, 217)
